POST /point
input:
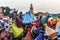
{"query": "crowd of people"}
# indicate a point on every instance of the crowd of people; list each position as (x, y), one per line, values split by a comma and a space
(29, 26)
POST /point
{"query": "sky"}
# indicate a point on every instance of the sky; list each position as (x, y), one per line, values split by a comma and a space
(51, 6)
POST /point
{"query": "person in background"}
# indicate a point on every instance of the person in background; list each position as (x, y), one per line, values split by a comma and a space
(44, 18)
(3, 32)
(11, 34)
(20, 15)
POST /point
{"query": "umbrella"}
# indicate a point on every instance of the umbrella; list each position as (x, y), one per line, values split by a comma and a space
(40, 36)
(27, 18)
(36, 31)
